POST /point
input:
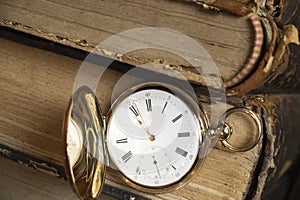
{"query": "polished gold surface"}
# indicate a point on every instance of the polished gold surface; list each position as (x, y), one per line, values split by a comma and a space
(83, 134)
(231, 132)
(85, 144)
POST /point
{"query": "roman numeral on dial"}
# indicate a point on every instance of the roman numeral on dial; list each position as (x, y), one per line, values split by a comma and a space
(163, 110)
(181, 152)
(177, 118)
(124, 140)
(149, 105)
(184, 134)
(138, 171)
(127, 156)
(135, 112)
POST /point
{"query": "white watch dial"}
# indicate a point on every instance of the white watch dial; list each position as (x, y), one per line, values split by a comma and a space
(153, 138)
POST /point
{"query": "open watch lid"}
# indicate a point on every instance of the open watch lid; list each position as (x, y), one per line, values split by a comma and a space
(83, 135)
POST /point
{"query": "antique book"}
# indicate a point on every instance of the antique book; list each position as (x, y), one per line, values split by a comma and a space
(43, 44)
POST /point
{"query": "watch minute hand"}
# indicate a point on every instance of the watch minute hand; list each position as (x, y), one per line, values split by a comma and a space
(142, 122)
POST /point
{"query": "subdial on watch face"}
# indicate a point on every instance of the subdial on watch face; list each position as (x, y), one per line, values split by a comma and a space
(153, 166)
(153, 138)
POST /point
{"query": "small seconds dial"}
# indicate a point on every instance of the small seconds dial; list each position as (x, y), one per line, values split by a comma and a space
(153, 137)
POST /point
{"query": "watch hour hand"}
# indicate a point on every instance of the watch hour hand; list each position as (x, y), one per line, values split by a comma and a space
(134, 108)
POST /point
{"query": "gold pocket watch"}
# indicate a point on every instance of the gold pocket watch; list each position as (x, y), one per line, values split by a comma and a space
(155, 135)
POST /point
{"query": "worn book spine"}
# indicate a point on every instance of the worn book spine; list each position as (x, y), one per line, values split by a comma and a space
(229, 37)
(38, 83)
(36, 131)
